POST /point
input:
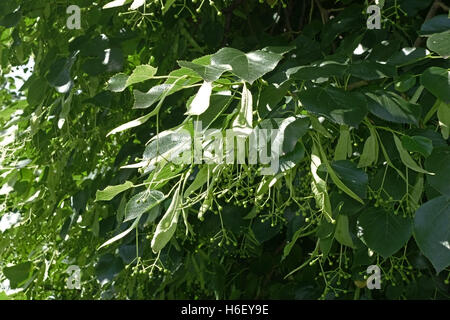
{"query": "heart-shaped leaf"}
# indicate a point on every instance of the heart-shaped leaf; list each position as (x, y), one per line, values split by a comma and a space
(247, 66)
(432, 231)
(384, 232)
(339, 106)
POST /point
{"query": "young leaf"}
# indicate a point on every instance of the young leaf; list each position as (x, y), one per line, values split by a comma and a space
(111, 191)
(140, 74)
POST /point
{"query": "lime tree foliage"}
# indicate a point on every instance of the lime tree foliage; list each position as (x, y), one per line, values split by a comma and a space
(89, 144)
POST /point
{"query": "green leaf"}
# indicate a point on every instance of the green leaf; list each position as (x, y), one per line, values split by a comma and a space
(208, 73)
(337, 105)
(131, 124)
(405, 82)
(137, 4)
(118, 82)
(59, 75)
(116, 3)
(319, 186)
(406, 158)
(370, 70)
(391, 107)
(141, 203)
(36, 91)
(384, 232)
(244, 120)
(201, 100)
(344, 145)
(218, 104)
(293, 132)
(354, 178)
(143, 119)
(419, 144)
(432, 231)
(443, 114)
(342, 232)
(199, 181)
(247, 66)
(437, 24)
(167, 146)
(18, 273)
(145, 100)
(140, 74)
(369, 155)
(440, 43)
(11, 19)
(292, 158)
(335, 178)
(415, 194)
(270, 97)
(317, 126)
(437, 81)
(325, 233)
(177, 81)
(408, 56)
(167, 225)
(325, 69)
(108, 267)
(111, 191)
(439, 163)
(167, 6)
(122, 234)
(135, 210)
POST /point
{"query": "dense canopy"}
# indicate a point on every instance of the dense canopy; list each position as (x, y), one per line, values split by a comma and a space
(101, 174)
